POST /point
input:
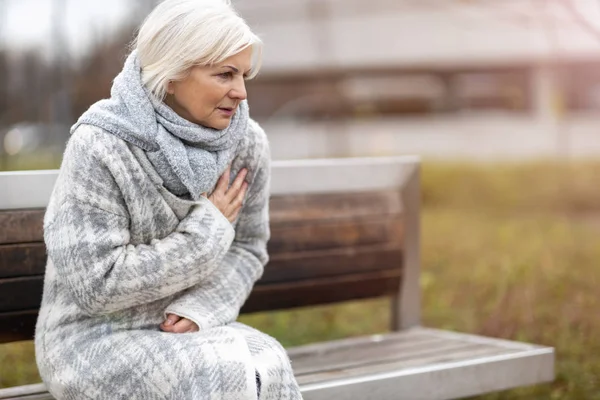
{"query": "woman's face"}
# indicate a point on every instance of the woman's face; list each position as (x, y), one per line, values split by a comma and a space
(210, 95)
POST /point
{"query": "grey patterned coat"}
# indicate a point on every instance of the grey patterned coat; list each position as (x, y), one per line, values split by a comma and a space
(123, 252)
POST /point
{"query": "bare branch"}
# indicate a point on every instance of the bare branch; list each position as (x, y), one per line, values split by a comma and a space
(580, 19)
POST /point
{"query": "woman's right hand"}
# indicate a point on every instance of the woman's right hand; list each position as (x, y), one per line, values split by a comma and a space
(229, 199)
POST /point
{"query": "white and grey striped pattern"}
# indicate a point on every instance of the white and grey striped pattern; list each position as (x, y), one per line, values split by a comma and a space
(123, 251)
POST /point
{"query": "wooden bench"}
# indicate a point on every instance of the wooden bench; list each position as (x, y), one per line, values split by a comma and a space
(342, 230)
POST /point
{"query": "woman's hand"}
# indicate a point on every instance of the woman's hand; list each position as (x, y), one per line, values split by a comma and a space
(229, 200)
(176, 324)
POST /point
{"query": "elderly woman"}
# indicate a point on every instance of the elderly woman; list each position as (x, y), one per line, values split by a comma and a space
(157, 227)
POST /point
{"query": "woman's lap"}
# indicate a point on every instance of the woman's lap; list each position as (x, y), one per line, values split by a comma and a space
(156, 365)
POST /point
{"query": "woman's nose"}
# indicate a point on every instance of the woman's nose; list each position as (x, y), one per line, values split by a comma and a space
(239, 91)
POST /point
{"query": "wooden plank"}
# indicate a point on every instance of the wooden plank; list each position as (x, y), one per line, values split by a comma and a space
(25, 293)
(289, 267)
(30, 260)
(322, 291)
(30, 189)
(20, 226)
(287, 209)
(329, 234)
(22, 259)
(441, 354)
(23, 226)
(403, 349)
(396, 352)
(345, 175)
(449, 380)
(26, 189)
(325, 352)
(36, 391)
(464, 354)
(21, 293)
(452, 365)
(406, 310)
(15, 326)
(41, 396)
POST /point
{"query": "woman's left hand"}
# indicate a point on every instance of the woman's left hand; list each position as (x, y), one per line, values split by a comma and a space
(176, 324)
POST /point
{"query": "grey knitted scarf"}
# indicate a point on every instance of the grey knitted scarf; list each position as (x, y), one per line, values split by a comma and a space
(187, 156)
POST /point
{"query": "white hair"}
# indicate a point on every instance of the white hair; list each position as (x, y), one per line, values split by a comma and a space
(180, 34)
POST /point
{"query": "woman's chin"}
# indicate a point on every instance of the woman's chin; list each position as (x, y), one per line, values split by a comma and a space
(221, 124)
(213, 125)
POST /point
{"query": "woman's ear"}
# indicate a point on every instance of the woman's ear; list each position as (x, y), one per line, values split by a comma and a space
(170, 87)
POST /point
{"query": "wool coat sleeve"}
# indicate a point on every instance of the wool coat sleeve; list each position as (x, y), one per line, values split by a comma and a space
(87, 235)
(218, 299)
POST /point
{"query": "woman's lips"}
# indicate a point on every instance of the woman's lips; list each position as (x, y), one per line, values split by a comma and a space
(227, 111)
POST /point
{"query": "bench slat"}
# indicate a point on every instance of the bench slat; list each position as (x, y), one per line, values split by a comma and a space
(330, 234)
(30, 260)
(399, 350)
(21, 293)
(287, 244)
(19, 325)
(17, 260)
(323, 291)
(23, 226)
(45, 396)
(19, 226)
(332, 262)
(27, 392)
(318, 207)
(22, 259)
(437, 365)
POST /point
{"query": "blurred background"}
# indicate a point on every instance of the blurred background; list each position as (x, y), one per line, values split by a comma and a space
(448, 79)
(501, 98)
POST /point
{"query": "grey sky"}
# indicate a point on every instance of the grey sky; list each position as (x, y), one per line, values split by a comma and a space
(28, 23)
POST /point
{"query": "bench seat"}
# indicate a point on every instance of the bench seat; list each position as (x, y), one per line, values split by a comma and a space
(418, 364)
(415, 364)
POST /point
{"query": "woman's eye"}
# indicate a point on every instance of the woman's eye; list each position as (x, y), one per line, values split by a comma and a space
(225, 75)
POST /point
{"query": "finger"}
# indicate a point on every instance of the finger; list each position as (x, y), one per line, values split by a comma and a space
(183, 326)
(234, 215)
(167, 324)
(236, 204)
(239, 200)
(223, 181)
(237, 184)
(172, 319)
(166, 328)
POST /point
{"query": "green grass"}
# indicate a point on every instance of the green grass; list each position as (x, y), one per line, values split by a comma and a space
(509, 251)
(39, 160)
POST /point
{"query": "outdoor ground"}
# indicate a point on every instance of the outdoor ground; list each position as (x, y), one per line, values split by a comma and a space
(509, 250)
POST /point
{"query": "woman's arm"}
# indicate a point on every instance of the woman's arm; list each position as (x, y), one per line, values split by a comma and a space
(90, 250)
(87, 232)
(218, 299)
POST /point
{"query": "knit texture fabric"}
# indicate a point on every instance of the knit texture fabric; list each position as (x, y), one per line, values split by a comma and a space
(187, 156)
(123, 251)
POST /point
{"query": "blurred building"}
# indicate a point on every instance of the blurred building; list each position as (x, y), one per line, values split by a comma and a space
(478, 79)
(443, 78)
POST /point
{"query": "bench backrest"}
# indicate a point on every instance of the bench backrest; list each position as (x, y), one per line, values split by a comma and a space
(341, 230)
